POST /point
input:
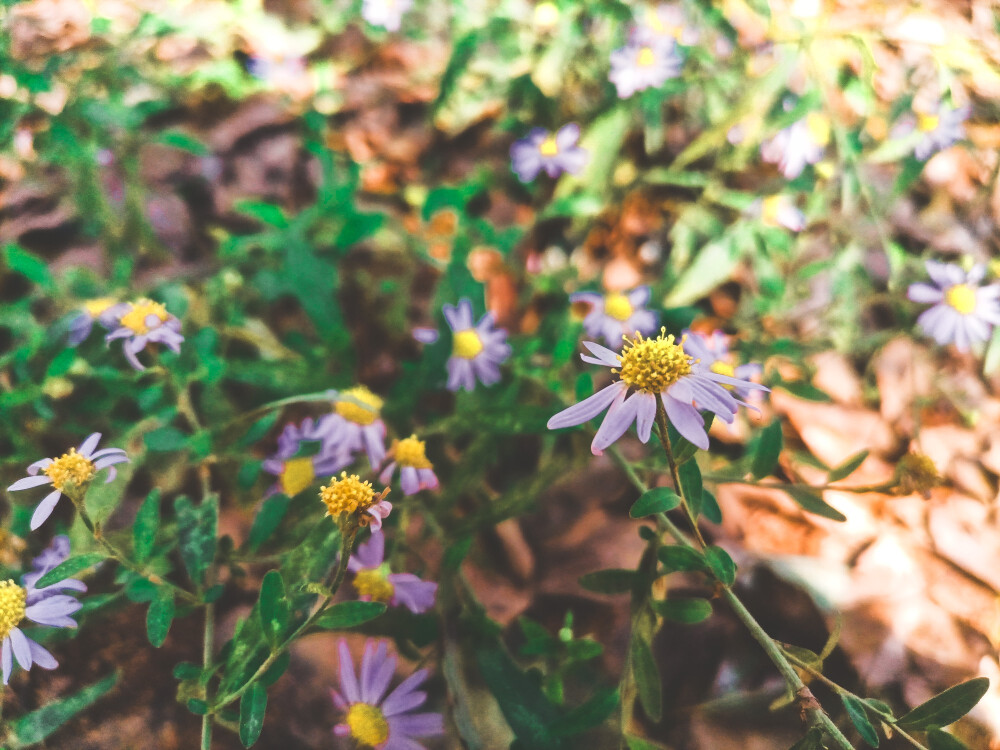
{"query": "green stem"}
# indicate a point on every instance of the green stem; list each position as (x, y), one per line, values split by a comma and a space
(881, 487)
(206, 661)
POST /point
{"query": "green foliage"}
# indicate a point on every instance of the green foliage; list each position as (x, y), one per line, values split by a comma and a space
(656, 500)
(33, 728)
(858, 715)
(69, 568)
(253, 704)
(947, 707)
(196, 529)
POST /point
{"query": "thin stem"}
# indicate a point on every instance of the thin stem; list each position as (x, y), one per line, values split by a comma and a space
(206, 661)
(881, 487)
(661, 428)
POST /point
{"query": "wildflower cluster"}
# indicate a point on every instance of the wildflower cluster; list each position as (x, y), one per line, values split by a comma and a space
(136, 324)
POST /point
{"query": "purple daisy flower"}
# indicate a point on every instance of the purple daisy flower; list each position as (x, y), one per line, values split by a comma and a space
(296, 474)
(71, 473)
(940, 129)
(104, 310)
(964, 313)
(374, 582)
(356, 425)
(615, 315)
(44, 606)
(803, 142)
(647, 61)
(477, 351)
(713, 351)
(651, 370)
(415, 471)
(779, 211)
(385, 13)
(145, 322)
(555, 153)
(669, 19)
(374, 719)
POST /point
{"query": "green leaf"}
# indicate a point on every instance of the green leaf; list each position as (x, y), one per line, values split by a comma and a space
(687, 611)
(691, 486)
(253, 704)
(61, 363)
(264, 212)
(147, 521)
(184, 141)
(454, 555)
(938, 740)
(165, 439)
(272, 512)
(640, 743)
(196, 528)
(259, 429)
(186, 670)
(947, 707)
(769, 445)
(197, 706)
(722, 564)
(656, 500)
(848, 467)
(35, 727)
(609, 581)
(812, 741)
(710, 507)
(68, 568)
(676, 558)
(273, 606)
(859, 718)
(713, 266)
(28, 265)
(647, 678)
(349, 614)
(812, 501)
(159, 616)
(525, 707)
(587, 716)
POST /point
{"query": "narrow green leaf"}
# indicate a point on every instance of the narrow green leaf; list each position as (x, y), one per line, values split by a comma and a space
(525, 707)
(27, 264)
(722, 564)
(349, 614)
(848, 467)
(769, 445)
(166, 439)
(676, 558)
(640, 743)
(812, 501)
(272, 512)
(610, 581)
(691, 486)
(656, 500)
(196, 527)
(455, 554)
(687, 611)
(186, 670)
(159, 616)
(812, 741)
(273, 606)
(197, 706)
(810, 657)
(647, 678)
(947, 707)
(253, 704)
(587, 716)
(36, 726)
(710, 507)
(859, 718)
(833, 638)
(939, 740)
(147, 521)
(267, 213)
(70, 567)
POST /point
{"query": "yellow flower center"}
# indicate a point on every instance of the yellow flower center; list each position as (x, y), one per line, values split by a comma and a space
(364, 407)
(12, 606)
(367, 724)
(927, 122)
(961, 298)
(645, 58)
(769, 209)
(654, 22)
(95, 307)
(466, 344)
(723, 368)
(346, 495)
(296, 475)
(410, 452)
(618, 307)
(652, 365)
(372, 583)
(549, 147)
(70, 469)
(135, 318)
(819, 128)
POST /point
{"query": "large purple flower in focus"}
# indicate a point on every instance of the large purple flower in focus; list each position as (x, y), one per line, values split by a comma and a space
(555, 153)
(963, 312)
(477, 350)
(374, 582)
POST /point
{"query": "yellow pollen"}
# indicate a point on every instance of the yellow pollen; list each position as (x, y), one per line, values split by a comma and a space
(363, 413)
(466, 344)
(645, 58)
(410, 452)
(549, 147)
(618, 307)
(769, 209)
(95, 307)
(819, 128)
(652, 365)
(135, 318)
(12, 606)
(927, 122)
(70, 468)
(346, 495)
(372, 583)
(367, 724)
(961, 298)
(297, 474)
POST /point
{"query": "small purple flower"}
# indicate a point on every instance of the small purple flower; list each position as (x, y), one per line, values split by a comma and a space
(477, 351)
(374, 582)
(105, 310)
(276, 67)
(356, 425)
(425, 335)
(44, 606)
(779, 211)
(415, 471)
(296, 474)
(940, 129)
(555, 153)
(647, 61)
(713, 351)
(615, 315)
(374, 719)
(385, 13)
(651, 371)
(803, 142)
(963, 312)
(146, 322)
(71, 473)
